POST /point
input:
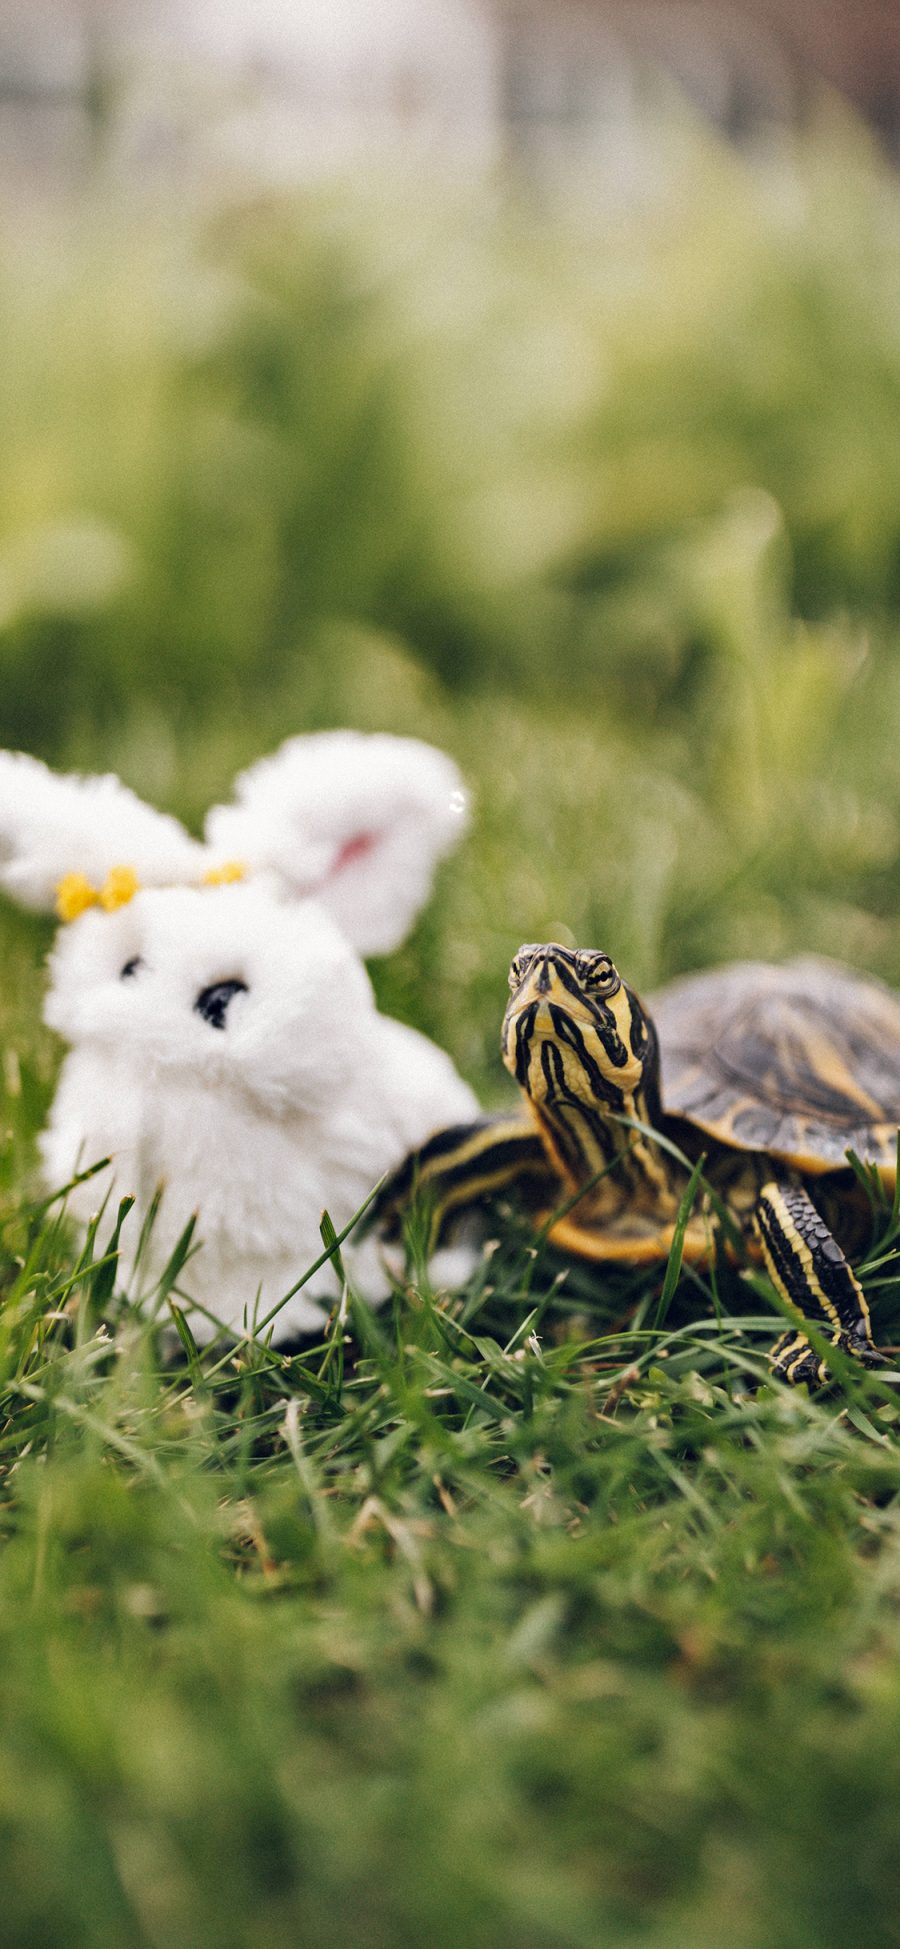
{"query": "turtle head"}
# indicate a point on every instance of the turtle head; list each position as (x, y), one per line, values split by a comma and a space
(573, 1028)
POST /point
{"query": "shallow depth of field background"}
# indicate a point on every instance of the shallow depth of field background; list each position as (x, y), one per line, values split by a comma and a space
(529, 383)
(581, 459)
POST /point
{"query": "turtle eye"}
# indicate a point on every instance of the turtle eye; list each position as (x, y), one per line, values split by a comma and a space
(597, 973)
(131, 967)
(519, 967)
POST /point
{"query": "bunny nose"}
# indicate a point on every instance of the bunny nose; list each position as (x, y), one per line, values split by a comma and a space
(212, 1003)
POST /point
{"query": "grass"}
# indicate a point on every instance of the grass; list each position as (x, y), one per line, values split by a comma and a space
(486, 1619)
(534, 1615)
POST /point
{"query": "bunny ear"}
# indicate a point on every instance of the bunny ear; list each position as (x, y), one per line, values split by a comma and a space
(51, 826)
(357, 821)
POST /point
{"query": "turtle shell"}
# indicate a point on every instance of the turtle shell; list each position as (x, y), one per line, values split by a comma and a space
(800, 1061)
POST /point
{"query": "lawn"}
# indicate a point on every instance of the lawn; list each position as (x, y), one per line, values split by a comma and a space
(525, 1617)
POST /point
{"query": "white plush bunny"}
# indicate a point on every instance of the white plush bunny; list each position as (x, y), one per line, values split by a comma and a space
(223, 1037)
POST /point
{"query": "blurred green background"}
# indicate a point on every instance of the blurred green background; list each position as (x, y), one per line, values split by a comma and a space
(606, 503)
(594, 481)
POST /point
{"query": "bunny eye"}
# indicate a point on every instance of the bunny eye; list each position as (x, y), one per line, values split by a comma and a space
(130, 968)
(212, 1003)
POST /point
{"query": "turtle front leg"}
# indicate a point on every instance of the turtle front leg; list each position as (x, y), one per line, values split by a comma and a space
(458, 1170)
(806, 1264)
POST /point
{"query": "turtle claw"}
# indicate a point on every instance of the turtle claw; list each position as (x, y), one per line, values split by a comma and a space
(795, 1361)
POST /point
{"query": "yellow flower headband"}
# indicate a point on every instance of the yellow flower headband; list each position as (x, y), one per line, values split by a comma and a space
(74, 893)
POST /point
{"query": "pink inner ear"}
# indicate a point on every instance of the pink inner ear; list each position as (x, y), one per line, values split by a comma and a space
(354, 849)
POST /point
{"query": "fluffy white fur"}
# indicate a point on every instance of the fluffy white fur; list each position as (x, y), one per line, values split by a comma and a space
(305, 1095)
(51, 826)
(371, 858)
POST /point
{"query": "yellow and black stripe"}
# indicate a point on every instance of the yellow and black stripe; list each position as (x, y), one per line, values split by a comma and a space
(584, 1051)
(459, 1169)
(808, 1268)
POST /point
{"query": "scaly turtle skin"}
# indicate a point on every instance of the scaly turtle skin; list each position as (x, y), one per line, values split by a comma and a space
(773, 1072)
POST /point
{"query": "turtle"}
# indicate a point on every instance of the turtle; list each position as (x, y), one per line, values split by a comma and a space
(772, 1073)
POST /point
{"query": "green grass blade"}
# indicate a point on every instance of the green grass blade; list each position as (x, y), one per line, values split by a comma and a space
(335, 1242)
(104, 1278)
(676, 1250)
